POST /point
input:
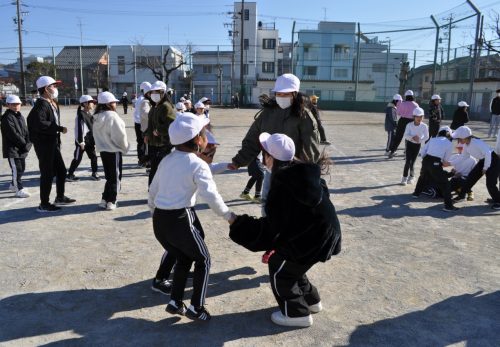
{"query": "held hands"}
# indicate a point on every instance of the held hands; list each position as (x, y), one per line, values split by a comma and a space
(416, 138)
(232, 218)
(156, 133)
(82, 146)
(146, 139)
(232, 166)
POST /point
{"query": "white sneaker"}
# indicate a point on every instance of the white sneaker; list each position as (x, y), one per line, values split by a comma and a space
(404, 181)
(316, 308)
(411, 179)
(278, 318)
(23, 193)
(102, 204)
(12, 188)
(111, 206)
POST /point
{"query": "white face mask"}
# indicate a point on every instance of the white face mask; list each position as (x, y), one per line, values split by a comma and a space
(55, 93)
(156, 98)
(284, 102)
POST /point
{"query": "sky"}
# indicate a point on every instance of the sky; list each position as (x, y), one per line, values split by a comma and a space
(56, 23)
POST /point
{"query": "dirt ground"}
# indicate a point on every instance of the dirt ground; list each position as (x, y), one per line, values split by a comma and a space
(409, 274)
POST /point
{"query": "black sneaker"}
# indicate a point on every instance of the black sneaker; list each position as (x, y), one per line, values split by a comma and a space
(327, 143)
(199, 313)
(95, 176)
(496, 206)
(161, 286)
(176, 307)
(64, 201)
(72, 178)
(47, 208)
(459, 198)
(450, 208)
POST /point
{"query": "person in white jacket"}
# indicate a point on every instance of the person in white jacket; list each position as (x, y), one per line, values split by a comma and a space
(415, 134)
(111, 142)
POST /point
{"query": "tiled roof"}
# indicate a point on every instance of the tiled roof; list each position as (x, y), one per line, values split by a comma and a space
(91, 56)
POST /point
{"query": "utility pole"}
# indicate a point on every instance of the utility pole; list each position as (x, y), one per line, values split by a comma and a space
(433, 83)
(81, 61)
(473, 60)
(292, 48)
(358, 59)
(242, 84)
(21, 60)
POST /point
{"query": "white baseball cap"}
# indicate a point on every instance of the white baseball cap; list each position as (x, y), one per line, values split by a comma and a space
(12, 99)
(124, 94)
(462, 133)
(397, 97)
(287, 83)
(211, 139)
(409, 92)
(45, 81)
(447, 128)
(185, 127)
(170, 90)
(418, 112)
(279, 146)
(182, 99)
(106, 98)
(199, 104)
(145, 85)
(158, 85)
(463, 104)
(180, 106)
(435, 97)
(86, 98)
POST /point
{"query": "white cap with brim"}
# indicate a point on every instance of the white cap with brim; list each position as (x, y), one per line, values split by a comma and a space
(185, 127)
(158, 85)
(435, 97)
(211, 139)
(418, 112)
(145, 85)
(397, 97)
(199, 104)
(409, 93)
(180, 106)
(86, 98)
(287, 83)
(203, 99)
(106, 98)
(463, 104)
(462, 133)
(45, 81)
(279, 146)
(13, 99)
(445, 128)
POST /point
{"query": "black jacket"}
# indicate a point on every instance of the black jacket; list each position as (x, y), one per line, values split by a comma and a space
(460, 117)
(436, 113)
(15, 137)
(42, 122)
(495, 105)
(301, 222)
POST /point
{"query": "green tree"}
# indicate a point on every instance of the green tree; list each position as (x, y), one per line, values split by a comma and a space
(36, 69)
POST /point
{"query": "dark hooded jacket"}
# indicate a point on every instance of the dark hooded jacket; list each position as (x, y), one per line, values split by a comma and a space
(300, 224)
(15, 137)
(460, 117)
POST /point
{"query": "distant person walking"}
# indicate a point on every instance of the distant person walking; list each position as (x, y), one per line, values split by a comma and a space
(461, 116)
(391, 120)
(436, 115)
(139, 137)
(125, 102)
(405, 113)
(495, 115)
(44, 126)
(317, 115)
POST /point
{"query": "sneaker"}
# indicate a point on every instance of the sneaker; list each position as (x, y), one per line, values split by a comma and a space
(102, 204)
(280, 319)
(459, 198)
(23, 193)
(327, 143)
(257, 199)
(199, 313)
(411, 179)
(47, 208)
(12, 188)
(496, 206)
(72, 178)
(64, 201)
(450, 208)
(391, 155)
(316, 307)
(246, 196)
(489, 201)
(404, 181)
(470, 196)
(161, 286)
(174, 307)
(266, 256)
(110, 206)
(95, 176)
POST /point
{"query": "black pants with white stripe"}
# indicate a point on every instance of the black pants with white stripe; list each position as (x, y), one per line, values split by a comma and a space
(390, 139)
(412, 150)
(51, 164)
(139, 137)
(492, 177)
(112, 165)
(166, 265)
(291, 287)
(78, 155)
(432, 171)
(180, 233)
(17, 166)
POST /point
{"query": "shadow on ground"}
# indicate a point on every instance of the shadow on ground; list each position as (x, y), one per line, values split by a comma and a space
(469, 319)
(100, 316)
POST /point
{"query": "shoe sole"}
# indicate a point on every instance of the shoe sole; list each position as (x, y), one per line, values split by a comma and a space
(64, 203)
(293, 323)
(203, 317)
(180, 312)
(160, 291)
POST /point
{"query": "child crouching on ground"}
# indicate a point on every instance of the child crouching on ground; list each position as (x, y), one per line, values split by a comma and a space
(301, 225)
(172, 194)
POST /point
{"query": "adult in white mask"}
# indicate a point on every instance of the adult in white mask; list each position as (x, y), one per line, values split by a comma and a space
(44, 126)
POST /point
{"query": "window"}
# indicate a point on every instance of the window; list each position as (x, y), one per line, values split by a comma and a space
(309, 70)
(268, 43)
(247, 14)
(268, 67)
(349, 95)
(207, 69)
(339, 73)
(376, 67)
(341, 52)
(121, 65)
(426, 78)
(246, 43)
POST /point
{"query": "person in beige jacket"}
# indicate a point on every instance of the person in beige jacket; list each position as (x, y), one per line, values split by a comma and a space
(111, 142)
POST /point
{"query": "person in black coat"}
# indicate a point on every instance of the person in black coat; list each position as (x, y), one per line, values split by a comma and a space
(15, 143)
(461, 116)
(44, 126)
(300, 225)
(124, 101)
(436, 115)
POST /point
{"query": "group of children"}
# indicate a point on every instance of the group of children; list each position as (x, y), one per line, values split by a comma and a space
(435, 146)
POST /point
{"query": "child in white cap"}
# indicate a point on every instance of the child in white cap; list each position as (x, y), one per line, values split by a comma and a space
(301, 225)
(461, 116)
(139, 133)
(15, 143)
(391, 120)
(181, 176)
(405, 113)
(415, 134)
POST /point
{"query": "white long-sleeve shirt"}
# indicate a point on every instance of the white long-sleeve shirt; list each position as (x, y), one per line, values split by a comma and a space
(144, 107)
(462, 164)
(439, 147)
(421, 130)
(181, 176)
(110, 134)
(480, 150)
(137, 111)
